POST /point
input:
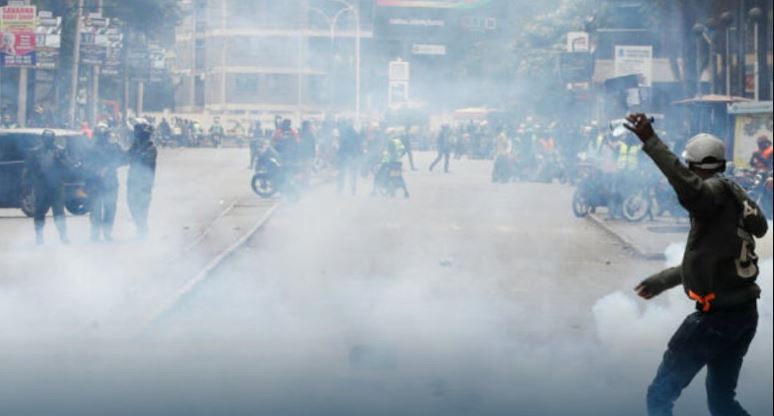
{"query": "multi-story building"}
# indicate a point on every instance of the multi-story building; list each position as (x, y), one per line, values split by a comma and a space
(260, 57)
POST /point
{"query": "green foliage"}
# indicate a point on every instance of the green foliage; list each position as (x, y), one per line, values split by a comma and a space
(536, 48)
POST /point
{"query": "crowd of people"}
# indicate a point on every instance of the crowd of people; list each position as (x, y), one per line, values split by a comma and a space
(523, 151)
(48, 165)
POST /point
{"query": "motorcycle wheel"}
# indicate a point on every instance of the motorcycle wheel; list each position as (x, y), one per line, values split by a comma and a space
(635, 207)
(28, 202)
(263, 186)
(77, 206)
(580, 207)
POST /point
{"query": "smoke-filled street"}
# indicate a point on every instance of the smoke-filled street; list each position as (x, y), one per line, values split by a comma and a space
(386, 207)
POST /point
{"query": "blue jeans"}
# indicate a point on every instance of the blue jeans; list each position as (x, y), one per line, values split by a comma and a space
(717, 339)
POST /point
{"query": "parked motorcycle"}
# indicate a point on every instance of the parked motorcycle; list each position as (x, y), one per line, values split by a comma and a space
(655, 199)
(594, 190)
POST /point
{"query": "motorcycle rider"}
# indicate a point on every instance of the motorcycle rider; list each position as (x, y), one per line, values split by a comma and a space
(718, 272)
(102, 184)
(286, 141)
(45, 170)
(761, 158)
(142, 175)
(216, 132)
(391, 159)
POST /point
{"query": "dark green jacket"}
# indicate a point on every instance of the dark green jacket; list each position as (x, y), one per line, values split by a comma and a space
(719, 266)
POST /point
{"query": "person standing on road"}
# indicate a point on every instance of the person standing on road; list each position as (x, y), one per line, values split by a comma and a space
(307, 150)
(142, 175)
(444, 147)
(256, 139)
(718, 272)
(102, 184)
(406, 141)
(44, 172)
(349, 155)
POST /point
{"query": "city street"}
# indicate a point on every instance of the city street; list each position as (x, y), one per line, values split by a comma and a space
(591, 242)
(468, 298)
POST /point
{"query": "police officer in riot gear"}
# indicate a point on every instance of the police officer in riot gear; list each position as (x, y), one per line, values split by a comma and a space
(142, 175)
(102, 184)
(45, 171)
(718, 272)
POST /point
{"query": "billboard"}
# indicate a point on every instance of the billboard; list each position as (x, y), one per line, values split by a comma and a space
(434, 4)
(437, 21)
(17, 36)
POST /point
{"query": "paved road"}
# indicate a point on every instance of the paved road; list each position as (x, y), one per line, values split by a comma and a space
(468, 299)
(87, 287)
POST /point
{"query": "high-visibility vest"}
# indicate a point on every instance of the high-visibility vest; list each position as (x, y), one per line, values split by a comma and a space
(628, 157)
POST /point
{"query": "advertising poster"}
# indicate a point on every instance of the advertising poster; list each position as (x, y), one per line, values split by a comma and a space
(17, 36)
(635, 60)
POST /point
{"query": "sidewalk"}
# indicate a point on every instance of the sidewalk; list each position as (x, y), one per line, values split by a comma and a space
(650, 239)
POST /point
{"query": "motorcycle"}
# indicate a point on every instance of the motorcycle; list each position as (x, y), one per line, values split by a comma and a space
(759, 189)
(593, 191)
(656, 199)
(390, 178)
(271, 176)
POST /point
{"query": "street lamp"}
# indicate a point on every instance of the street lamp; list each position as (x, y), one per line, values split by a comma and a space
(347, 8)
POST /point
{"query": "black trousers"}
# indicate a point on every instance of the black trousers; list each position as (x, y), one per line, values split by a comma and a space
(441, 155)
(53, 199)
(718, 340)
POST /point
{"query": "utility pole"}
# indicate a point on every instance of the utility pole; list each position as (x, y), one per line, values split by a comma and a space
(95, 71)
(76, 62)
(21, 108)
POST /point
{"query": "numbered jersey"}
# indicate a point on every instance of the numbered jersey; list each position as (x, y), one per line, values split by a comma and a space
(720, 265)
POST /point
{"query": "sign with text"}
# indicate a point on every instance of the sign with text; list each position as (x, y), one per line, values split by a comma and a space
(635, 60)
(428, 49)
(17, 35)
(94, 40)
(49, 40)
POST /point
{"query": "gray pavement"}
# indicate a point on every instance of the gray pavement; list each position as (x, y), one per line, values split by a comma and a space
(202, 203)
(470, 298)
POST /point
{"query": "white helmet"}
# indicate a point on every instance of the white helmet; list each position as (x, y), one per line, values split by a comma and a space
(705, 151)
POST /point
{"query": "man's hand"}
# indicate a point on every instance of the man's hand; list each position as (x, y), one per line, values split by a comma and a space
(640, 125)
(645, 290)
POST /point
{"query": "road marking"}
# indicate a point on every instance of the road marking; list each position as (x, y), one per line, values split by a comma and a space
(202, 275)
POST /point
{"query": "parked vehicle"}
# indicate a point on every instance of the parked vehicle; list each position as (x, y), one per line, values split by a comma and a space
(15, 146)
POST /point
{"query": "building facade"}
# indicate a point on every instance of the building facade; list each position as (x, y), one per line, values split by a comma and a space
(260, 57)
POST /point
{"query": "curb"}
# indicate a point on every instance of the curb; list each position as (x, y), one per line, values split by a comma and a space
(637, 249)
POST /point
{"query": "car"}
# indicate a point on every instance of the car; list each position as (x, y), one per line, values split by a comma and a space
(16, 145)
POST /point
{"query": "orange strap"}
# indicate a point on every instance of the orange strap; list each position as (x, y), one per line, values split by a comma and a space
(702, 300)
